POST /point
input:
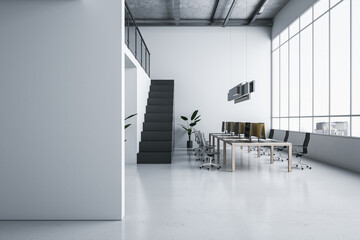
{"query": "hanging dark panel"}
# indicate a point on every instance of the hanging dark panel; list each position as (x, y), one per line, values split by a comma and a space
(234, 92)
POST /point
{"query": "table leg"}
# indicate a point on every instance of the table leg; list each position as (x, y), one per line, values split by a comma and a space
(213, 143)
(290, 158)
(232, 158)
(218, 149)
(248, 148)
(271, 154)
(259, 151)
(224, 149)
(224, 153)
(209, 139)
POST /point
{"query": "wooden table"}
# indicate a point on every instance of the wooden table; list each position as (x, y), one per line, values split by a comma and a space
(241, 142)
(220, 136)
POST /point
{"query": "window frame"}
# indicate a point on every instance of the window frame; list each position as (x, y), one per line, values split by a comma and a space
(313, 116)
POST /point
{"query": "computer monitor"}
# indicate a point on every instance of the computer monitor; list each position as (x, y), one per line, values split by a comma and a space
(247, 130)
(228, 127)
(236, 130)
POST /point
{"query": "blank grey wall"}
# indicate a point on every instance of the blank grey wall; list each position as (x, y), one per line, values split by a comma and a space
(61, 127)
(338, 151)
(292, 10)
(205, 63)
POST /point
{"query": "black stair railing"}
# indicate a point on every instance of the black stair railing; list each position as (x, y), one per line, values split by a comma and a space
(135, 41)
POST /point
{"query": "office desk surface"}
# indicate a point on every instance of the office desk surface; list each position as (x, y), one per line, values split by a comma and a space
(258, 144)
(236, 141)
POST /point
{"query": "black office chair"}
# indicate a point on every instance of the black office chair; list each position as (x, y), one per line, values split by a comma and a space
(271, 134)
(209, 155)
(223, 127)
(198, 150)
(265, 149)
(281, 149)
(300, 151)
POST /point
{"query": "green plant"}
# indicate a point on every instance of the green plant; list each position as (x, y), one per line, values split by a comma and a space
(194, 119)
(129, 124)
(128, 117)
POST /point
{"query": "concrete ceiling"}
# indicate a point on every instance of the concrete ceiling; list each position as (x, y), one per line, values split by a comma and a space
(204, 12)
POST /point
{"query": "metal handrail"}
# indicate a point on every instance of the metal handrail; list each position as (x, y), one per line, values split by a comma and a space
(143, 47)
(136, 26)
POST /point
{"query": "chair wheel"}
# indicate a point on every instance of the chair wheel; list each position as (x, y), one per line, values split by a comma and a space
(309, 167)
(302, 168)
(208, 169)
(200, 167)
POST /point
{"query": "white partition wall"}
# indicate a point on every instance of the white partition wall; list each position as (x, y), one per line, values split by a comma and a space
(62, 110)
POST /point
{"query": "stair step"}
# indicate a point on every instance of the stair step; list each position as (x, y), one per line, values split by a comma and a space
(161, 95)
(162, 82)
(161, 88)
(156, 136)
(158, 117)
(154, 157)
(155, 146)
(160, 101)
(157, 126)
(159, 109)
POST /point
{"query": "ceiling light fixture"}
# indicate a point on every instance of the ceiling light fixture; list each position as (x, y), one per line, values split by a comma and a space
(241, 92)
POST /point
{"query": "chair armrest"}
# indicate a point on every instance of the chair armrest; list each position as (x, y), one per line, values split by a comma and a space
(298, 146)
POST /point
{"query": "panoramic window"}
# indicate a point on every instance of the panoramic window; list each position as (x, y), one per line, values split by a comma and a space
(315, 71)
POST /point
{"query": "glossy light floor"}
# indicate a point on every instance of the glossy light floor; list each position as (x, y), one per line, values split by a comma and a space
(258, 201)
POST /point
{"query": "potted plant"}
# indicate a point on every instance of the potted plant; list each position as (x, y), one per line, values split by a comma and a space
(194, 119)
(129, 124)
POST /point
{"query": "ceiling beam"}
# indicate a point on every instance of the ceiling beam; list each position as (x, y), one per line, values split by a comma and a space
(201, 22)
(215, 11)
(176, 11)
(229, 13)
(257, 12)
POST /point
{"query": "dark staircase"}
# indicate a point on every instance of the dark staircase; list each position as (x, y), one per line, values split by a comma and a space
(157, 138)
